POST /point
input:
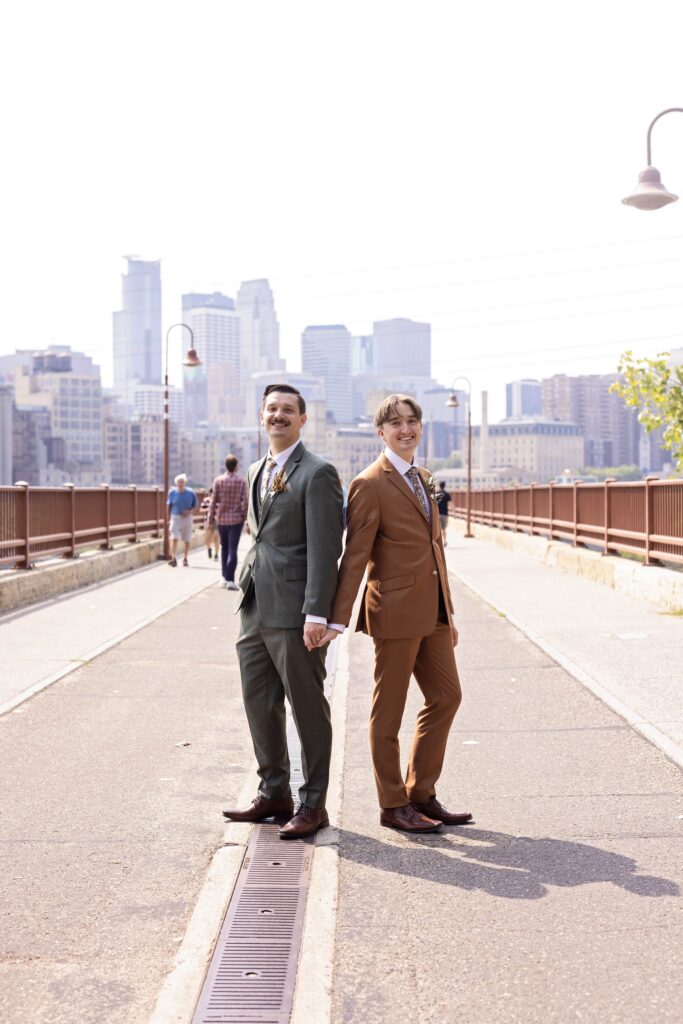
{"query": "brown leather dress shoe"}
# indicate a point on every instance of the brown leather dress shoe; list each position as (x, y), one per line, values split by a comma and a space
(407, 819)
(305, 822)
(261, 808)
(433, 809)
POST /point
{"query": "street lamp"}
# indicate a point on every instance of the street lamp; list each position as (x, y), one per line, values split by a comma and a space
(453, 403)
(650, 193)
(191, 359)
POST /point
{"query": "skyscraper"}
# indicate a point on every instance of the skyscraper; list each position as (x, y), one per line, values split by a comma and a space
(611, 430)
(402, 348)
(326, 353)
(523, 398)
(260, 336)
(217, 330)
(260, 329)
(6, 426)
(137, 328)
(74, 402)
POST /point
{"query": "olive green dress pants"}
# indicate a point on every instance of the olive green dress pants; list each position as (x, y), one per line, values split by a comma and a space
(275, 664)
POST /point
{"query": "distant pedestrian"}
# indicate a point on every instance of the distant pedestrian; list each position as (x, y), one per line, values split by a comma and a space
(181, 502)
(443, 500)
(212, 537)
(227, 511)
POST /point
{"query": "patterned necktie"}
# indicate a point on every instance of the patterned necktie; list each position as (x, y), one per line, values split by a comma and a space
(265, 477)
(419, 491)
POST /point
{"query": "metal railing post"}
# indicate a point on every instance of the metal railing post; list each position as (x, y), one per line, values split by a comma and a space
(607, 510)
(551, 509)
(134, 489)
(575, 514)
(24, 524)
(107, 518)
(156, 510)
(531, 507)
(516, 510)
(649, 519)
(72, 509)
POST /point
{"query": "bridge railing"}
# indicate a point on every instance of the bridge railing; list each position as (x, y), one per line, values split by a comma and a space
(44, 522)
(642, 517)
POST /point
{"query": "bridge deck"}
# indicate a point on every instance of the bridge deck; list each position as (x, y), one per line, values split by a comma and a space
(561, 902)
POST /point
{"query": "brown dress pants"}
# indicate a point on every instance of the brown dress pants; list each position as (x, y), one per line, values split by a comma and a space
(432, 660)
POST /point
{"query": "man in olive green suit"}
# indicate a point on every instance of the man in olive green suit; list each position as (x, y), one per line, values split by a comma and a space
(288, 583)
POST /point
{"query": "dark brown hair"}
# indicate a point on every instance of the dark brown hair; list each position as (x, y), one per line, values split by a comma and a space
(388, 408)
(231, 463)
(285, 389)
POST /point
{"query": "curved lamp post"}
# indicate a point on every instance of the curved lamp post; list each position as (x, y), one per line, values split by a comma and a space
(191, 359)
(453, 403)
(650, 193)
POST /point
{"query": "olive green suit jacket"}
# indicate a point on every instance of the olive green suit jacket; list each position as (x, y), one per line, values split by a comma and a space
(297, 541)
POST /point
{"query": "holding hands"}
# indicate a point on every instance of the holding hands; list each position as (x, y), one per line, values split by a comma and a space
(317, 634)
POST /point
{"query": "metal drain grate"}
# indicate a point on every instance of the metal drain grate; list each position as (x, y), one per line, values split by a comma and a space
(252, 974)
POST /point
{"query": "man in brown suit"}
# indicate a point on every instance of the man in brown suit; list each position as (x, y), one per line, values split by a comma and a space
(393, 530)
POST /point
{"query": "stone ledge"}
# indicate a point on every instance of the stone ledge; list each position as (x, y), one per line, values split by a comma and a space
(661, 587)
(20, 587)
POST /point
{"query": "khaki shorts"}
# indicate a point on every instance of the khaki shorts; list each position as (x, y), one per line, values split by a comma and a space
(444, 523)
(181, 528)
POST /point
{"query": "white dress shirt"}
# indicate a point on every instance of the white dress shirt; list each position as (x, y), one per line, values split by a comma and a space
(279, 461)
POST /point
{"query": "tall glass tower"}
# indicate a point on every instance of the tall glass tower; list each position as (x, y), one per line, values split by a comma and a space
(137, 327)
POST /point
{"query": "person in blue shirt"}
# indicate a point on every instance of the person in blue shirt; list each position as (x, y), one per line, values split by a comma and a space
(181, 501)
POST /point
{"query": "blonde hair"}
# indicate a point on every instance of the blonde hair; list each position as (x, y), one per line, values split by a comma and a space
(388, 408)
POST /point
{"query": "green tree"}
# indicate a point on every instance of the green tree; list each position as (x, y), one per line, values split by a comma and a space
(656, 389)
(613, 472)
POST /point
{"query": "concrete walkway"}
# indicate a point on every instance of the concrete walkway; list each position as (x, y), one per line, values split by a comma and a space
(45, 642)
(113, 780)
(626, 650)
(562, 901)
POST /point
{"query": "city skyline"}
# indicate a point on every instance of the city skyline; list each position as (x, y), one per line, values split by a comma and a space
(500, 223)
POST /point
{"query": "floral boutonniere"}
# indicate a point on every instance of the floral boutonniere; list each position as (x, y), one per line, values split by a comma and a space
(279, 483)
(430, 484)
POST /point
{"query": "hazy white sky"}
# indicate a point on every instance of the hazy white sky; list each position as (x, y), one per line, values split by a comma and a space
(455, 162)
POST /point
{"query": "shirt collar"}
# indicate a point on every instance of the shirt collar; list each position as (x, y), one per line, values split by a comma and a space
(282, 457)
(397, 462)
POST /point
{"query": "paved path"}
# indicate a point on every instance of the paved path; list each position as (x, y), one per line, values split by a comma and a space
(626, 646)
(107, 823)
(44, 642)
(562, 902)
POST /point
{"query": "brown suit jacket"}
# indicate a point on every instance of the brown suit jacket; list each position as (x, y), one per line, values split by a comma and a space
(388, 533)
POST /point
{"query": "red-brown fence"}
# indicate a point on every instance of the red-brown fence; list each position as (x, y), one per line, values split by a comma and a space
(42, 522)
(643, 517)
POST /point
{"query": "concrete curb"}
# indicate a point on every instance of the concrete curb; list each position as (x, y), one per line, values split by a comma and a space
(313, 993)
(661, 587)
(646, 729)
(22, 588)
(180, 991)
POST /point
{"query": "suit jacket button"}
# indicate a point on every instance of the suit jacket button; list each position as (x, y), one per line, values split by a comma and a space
(434, 572)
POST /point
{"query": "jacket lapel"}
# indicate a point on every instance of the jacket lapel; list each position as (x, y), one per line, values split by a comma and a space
(425, 477)
(403, 487)
(254, 502)
(290, 467)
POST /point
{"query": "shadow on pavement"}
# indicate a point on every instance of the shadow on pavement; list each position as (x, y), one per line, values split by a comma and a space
(509, 866)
